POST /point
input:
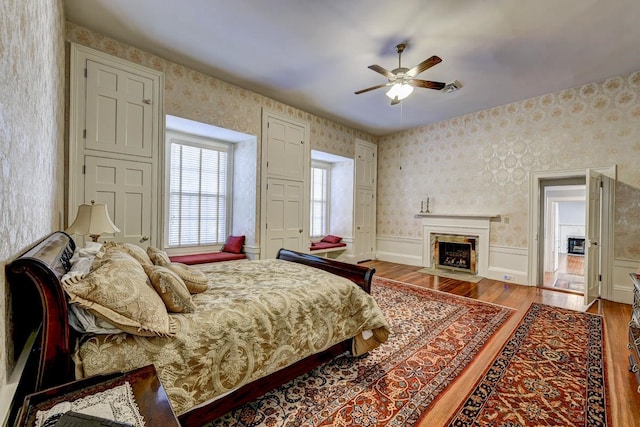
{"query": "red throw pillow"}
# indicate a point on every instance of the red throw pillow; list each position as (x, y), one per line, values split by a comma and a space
(233, 244)
(331, 239)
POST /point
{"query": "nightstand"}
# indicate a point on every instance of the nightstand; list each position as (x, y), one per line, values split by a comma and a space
(149, 395)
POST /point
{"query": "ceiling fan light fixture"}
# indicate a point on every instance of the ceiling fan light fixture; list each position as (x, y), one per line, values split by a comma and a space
(399, 91)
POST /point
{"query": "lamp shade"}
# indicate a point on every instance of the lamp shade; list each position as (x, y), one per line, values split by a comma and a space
(92, 220)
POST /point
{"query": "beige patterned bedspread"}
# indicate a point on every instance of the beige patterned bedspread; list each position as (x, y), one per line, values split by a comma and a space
(256, 318)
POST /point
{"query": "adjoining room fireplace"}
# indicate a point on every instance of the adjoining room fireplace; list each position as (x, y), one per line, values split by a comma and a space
(455, 252)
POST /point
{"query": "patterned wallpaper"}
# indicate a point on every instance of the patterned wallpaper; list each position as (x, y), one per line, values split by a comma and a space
(480, 162)
(31, 135)
(196, 96)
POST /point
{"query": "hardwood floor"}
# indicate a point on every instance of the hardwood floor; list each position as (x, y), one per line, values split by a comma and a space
(569, 275)
(624, 398)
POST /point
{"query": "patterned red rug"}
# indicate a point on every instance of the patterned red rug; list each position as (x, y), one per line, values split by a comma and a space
(435, 336)
(551, 372)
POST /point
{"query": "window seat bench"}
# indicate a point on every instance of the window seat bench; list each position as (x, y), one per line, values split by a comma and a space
(207, 257)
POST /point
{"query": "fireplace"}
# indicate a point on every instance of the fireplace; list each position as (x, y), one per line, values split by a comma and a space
(464, 226)
(455, 252)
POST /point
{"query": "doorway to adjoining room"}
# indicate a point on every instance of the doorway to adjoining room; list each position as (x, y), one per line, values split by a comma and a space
(563, 213)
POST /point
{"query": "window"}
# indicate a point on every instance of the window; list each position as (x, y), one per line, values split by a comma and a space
(320, 181)
(199, 196)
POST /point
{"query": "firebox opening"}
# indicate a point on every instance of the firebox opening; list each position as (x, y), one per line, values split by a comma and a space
(456, 256)
(455, 252)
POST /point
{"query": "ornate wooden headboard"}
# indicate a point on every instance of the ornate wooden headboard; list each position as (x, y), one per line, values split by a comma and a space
(35, 277)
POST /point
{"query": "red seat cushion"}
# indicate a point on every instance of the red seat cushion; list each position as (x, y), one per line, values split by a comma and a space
(233, 244)
(208, 257)
(325, 245)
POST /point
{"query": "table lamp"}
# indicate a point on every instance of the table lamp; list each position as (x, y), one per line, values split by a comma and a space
(92, 220)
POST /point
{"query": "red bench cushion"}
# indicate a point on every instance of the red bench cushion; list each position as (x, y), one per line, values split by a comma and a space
(325, 245)
(208, 257)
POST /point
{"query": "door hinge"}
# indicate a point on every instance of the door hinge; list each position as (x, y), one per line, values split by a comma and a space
(85, 73)
(84, 169)
(601, 184)
(599, 277)
(84, 133)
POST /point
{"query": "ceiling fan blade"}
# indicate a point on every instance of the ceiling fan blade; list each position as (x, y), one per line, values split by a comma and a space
(381, 70)
(424, 65)
(426, 83)
(371, 88)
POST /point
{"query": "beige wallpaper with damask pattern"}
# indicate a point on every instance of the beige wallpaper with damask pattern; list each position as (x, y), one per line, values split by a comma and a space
(480, 162)
(476, 163)
(31, 137)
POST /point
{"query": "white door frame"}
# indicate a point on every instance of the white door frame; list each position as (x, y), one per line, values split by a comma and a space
(607, 217)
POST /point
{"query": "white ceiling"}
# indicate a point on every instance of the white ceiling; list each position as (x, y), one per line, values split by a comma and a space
(314, 54)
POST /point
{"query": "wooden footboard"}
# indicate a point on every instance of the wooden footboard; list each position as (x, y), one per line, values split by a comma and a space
(40, 307)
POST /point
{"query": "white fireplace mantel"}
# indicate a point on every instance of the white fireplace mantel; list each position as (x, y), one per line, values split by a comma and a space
(472, 216)
(462, 224)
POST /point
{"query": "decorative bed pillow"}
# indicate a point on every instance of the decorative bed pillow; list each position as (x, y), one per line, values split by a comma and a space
(195, 279)
(233, 244)
(117, 290)
(135, 251)
(158, 256)
(171, 289)
(331, 239)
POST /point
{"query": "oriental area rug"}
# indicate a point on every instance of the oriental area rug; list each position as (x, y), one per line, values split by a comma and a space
(435, 335)
(551, 372)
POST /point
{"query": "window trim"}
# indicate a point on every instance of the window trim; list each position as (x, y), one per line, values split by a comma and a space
(318, 164)
(173, 136)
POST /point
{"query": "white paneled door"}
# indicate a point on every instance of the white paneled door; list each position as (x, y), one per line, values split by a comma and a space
(592, 258)
(125, 187)
(364, 242)
(285, 216)
(285, 149)
(119, 110)
(115, 139)
(365, 206)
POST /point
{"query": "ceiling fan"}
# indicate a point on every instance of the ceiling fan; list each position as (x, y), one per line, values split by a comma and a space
(402, 79)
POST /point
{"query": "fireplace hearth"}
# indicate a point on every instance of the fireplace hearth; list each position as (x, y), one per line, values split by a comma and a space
(455, 252)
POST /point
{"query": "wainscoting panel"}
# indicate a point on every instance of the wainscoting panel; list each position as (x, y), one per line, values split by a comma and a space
(621, 286)
(508, 264)
(503, 261)
(400, 250)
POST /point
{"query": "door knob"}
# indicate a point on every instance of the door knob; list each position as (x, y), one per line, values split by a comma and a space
(300, 230)
(144, 239)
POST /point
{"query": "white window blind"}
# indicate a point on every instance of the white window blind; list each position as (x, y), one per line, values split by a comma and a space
(319, 199)
(198, 195)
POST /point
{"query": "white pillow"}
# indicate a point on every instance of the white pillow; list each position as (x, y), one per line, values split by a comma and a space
(79, 267)
(84, 322)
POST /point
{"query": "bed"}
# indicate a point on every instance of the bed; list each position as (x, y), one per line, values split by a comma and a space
(283, 352)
